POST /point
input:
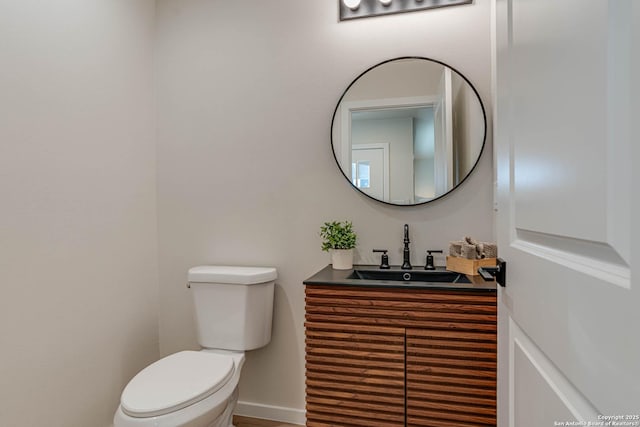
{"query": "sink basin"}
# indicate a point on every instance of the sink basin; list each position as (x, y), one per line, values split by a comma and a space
(436, 276)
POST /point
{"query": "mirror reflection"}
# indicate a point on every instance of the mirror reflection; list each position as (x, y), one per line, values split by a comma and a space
(408, 131)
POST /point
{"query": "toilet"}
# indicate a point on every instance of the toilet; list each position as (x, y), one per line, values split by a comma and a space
(233, 310)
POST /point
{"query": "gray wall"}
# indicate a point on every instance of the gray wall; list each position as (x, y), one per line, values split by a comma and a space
(398, 133)
(78, 262)
(246, 175)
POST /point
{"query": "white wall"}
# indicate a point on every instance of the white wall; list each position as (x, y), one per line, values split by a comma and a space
(397, 79)
(78, 269)
(467, 125)
(424, 179)
(423, 163)
(246, 172)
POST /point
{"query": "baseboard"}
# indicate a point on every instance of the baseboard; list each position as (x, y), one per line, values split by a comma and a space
(274, 413)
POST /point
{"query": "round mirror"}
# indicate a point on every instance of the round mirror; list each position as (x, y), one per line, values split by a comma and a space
(408, 131)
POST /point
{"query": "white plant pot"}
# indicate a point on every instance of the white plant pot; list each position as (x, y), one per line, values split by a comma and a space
(342, 259)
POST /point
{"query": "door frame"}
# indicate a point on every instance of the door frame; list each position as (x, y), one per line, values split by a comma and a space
(384, 146)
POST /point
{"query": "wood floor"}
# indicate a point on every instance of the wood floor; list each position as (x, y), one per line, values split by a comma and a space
(239, 421)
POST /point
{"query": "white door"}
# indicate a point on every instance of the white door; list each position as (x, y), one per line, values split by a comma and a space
(567, 184)
(443, 134)
(370, 169)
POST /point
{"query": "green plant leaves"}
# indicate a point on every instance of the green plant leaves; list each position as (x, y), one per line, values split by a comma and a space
(338, 235)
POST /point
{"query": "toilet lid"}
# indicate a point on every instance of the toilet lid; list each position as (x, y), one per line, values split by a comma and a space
(175, 382)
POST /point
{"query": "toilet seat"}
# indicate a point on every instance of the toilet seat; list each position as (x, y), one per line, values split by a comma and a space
(175, 382)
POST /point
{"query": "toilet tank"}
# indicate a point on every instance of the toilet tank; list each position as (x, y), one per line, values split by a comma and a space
(233, 306)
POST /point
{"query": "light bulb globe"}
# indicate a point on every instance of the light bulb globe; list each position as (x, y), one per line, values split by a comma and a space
(352, 4)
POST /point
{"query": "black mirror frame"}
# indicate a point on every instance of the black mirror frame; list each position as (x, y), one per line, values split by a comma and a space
(484, 137)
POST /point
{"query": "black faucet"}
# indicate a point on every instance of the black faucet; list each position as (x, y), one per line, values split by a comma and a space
(406, 254)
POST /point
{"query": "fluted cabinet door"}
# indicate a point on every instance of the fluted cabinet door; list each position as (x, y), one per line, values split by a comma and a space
(451, 378)
(355, 375)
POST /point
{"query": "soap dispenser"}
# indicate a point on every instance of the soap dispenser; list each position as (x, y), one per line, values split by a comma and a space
(429, 264)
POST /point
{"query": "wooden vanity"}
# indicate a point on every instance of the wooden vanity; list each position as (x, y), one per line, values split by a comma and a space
(399, 354)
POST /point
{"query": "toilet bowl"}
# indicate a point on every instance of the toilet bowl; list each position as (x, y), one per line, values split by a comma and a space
(234, 307)
(186, 389)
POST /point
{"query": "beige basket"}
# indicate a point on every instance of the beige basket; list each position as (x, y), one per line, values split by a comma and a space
(468, 266)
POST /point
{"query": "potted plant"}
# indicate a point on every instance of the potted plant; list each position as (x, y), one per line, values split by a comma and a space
(339, 239)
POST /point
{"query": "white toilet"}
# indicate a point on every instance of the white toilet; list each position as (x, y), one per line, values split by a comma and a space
(233, 307)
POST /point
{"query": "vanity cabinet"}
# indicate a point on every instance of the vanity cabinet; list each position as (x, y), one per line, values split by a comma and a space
(400, 357)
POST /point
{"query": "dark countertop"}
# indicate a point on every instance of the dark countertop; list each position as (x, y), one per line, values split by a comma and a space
(329, 276)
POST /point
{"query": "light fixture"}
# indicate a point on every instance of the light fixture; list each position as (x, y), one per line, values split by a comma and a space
(352, 4)
(353, 9)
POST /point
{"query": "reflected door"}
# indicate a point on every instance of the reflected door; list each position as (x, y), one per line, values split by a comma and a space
(370, 169)
(443, 127)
